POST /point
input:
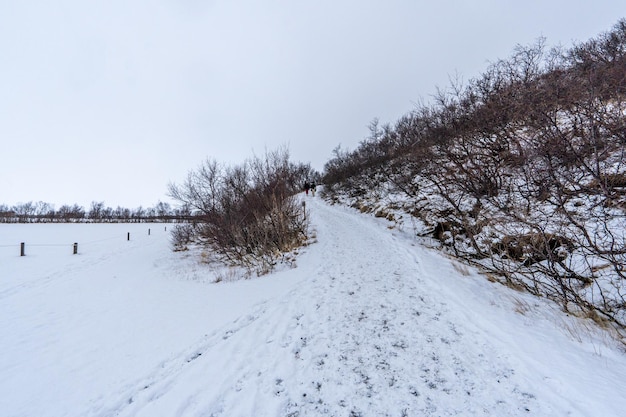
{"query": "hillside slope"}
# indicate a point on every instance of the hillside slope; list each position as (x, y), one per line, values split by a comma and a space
(368, 324)
(522, 171)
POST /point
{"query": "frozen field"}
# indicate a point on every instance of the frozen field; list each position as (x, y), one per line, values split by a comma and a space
(368, 324)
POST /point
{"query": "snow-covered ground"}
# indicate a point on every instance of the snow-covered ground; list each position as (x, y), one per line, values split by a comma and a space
(368, 324)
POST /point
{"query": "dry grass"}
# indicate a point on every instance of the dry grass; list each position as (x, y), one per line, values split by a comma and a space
(229, 274)
(462, 269)
(520, 306)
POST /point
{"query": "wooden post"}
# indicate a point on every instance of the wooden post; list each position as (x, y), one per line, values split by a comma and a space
(304, 209)
(128, 236)
(148, 232)
(75, 248)
(22, 249)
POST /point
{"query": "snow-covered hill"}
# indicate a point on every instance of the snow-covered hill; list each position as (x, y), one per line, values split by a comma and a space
(368, 324)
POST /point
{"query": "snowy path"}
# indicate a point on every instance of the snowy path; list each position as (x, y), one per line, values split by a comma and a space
(376, 327)
(368, 324)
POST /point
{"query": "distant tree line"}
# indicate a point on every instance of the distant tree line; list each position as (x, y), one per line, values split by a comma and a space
(521, 170)
(98, 212)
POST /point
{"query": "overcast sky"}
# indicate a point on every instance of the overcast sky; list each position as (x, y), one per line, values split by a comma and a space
(112, 100)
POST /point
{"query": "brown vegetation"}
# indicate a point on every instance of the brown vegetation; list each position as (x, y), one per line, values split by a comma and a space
(522, 170)
(248, 215)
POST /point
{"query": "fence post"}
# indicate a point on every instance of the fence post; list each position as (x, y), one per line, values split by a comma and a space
(304, 209)
(148, 232)
(75, 248)
(128, 236)
(22, 249)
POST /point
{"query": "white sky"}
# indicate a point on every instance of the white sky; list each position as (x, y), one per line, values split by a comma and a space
(111, 100)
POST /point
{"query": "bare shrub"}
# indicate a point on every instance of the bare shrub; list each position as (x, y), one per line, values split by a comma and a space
(181, 236)
(248, 214)
(522, 170)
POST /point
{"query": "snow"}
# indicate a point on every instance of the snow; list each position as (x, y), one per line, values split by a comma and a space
(368, 324)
